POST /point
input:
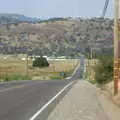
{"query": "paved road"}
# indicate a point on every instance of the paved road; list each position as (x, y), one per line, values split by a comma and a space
(21, 100)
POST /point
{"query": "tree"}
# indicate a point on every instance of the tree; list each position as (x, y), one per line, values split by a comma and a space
(40, 62)
(104, 70)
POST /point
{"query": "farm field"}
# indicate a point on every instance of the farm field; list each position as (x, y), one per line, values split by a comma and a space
(19, 68)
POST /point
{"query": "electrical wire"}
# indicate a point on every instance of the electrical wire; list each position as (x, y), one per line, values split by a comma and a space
(102, 16)
(105, 8)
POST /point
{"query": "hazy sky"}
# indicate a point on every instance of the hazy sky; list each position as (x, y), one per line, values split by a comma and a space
(56, 8)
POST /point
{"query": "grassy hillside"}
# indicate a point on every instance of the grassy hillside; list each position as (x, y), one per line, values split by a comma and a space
(66, 37)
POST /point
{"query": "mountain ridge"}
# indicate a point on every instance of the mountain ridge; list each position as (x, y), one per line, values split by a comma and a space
(19, 17)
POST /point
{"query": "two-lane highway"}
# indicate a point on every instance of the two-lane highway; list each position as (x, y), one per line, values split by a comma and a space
(21, 100)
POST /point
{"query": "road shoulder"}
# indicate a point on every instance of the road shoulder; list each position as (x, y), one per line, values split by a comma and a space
(107, 104)
(81, 103)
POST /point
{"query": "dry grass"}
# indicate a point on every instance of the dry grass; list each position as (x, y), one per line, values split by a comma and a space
(16, 67)
(90, 74)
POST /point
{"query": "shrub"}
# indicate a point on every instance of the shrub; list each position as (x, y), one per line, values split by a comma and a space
(40, 62)
(7, 78)
(104, 70)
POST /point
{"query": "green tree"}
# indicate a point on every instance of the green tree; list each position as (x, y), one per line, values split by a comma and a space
(40, 62)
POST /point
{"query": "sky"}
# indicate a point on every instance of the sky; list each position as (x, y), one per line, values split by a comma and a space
(56, 8)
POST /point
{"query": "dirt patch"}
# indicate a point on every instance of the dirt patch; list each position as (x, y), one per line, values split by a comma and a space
(117, 98)
(110, 89)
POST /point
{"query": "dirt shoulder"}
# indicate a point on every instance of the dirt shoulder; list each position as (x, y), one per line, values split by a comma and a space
(109, 88)
(80, 103)
(109, 105)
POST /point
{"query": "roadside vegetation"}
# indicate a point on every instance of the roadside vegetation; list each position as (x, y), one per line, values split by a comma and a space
(101, 70)
(89, 73)
(6, 78)
(17, 70)
(104, 70)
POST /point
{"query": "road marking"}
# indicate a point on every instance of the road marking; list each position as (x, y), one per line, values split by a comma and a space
(12, 88)
(50, 101)
(73, 72)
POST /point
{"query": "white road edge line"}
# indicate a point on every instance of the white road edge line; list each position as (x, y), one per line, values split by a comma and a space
(74, 72)
(50, 101)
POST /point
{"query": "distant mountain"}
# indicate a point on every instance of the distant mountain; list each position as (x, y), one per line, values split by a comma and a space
(18, 17)
(54, 19)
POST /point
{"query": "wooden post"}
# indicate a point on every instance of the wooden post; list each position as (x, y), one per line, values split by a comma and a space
(116, 39)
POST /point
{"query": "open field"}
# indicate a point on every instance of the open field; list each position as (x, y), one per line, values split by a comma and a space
(19, 67)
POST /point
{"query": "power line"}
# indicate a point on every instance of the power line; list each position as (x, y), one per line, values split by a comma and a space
(105, 8)
(102, 16)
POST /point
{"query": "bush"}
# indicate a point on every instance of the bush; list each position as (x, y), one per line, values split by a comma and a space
(40, 62)
(104, 70)
(7, 78)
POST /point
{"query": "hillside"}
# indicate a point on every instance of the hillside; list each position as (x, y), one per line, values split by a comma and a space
(69, 37)
(7, 18)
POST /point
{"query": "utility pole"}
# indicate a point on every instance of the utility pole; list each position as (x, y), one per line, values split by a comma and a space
(91, 53)
(116, 39)
(28, 34)
(27, 64)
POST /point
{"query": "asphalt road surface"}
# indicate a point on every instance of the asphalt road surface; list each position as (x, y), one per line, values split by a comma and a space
(21, 100)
